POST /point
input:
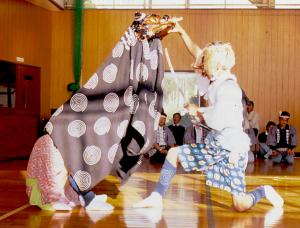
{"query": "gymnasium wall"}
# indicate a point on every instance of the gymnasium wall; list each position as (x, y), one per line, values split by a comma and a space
(266, 43)
(25, 31)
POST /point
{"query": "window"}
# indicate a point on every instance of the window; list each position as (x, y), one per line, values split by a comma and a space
(185, 4)
(179, 89)
(115, 4)
(218, 4)
(168, 4)
(287, 4)
(7, 84)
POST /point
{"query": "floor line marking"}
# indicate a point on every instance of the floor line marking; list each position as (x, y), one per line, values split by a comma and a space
(14, 211)
(210, 214)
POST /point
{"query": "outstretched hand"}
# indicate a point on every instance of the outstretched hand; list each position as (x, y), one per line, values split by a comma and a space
(192, 109)
(177, 28)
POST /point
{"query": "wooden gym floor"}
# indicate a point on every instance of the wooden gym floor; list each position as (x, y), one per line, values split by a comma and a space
(188, 203)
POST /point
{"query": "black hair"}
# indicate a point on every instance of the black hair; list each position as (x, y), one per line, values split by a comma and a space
(285, 113)
(270, 123)
(250, 103)
(163, 114)
(177, 113)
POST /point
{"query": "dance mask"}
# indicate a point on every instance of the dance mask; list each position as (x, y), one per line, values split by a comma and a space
(152, 26)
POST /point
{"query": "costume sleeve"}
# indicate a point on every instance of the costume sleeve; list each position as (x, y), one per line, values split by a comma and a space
(294, 137)
(250, 132)
(155, 136)
(271, 138)
(255, 121)
(226, 112)
(170, 138)
(188, 135)
(262, 137)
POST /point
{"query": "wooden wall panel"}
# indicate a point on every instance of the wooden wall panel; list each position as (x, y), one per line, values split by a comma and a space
(25, 31)
(266, 43)
(61, 57)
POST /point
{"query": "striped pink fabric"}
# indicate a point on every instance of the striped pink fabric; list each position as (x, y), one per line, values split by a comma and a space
(47, 166)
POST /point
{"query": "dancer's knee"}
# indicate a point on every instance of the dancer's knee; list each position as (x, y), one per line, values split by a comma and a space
(172, 156)
(241, 203)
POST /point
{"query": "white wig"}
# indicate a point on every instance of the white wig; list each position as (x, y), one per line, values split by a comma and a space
(218, 56)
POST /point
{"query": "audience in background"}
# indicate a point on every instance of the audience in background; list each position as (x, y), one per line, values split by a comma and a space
(277, 142)
(253, 117)
(194, 134)
(282, 140)
(177, 129)
(253, 147)
(264, 150)
(164, 140)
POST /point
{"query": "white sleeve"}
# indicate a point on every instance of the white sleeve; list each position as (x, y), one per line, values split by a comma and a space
(256, 121)
(227, 110)
(203, 84)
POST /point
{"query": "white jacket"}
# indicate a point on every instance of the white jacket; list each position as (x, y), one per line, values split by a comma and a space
(225, 114)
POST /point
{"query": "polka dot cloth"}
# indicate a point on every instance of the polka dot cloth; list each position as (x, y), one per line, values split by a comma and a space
(83, 180)
(78, 102)
(92, 82)
(58, 111)
(49, 127)
(126, 89)
(112, 153)
(213, 160)
(76, 128)
(92, 155)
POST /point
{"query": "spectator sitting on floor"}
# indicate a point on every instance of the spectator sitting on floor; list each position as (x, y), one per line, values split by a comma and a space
(164, 140)
(194, 134)
(282, 140)
(177, 129)
(264, 150)
(253, 145)
(253, 140)
(253, 117)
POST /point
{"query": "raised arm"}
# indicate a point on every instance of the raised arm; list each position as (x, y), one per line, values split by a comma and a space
(193, 48)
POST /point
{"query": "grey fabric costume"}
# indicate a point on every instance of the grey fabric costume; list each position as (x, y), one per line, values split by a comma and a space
(290, 138)
(168, 137)
(112, 118)
(282, 140)
(190, 134)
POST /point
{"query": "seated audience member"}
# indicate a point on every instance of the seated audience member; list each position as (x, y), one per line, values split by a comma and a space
(164, 140)
(251, 134)
(253, 117)
(177, 129)
(264, 150)
(194, 134)
(253, 140)
(282, 140)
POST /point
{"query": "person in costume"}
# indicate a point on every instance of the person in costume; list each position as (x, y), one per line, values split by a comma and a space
(106, 126)
(253, 117)
(163, 141)
(282, 140)
(264, 150)
(177, 129)
(223, 155)
(195, 134)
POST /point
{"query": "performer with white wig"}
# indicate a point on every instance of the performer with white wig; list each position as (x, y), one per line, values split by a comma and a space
(223, 155)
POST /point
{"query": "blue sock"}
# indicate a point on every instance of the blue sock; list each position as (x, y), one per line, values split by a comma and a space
(257, 194)
(166, 175)
(87, 196)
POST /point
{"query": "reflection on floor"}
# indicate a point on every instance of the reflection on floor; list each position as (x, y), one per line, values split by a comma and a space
(188, 203)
